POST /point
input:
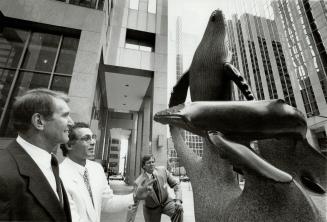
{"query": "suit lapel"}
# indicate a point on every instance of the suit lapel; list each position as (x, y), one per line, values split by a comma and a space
(37, 183)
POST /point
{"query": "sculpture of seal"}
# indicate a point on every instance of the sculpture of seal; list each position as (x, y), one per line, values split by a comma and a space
(253, 120)
(210, 75)
(239, 119)
(270, 193)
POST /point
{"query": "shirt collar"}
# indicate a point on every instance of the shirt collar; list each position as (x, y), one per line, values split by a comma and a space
(80, 169)
(150, 175)
(41, 157)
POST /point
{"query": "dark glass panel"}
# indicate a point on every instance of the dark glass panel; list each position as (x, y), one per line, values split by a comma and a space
(6, 78)
(61, 83)
(84, 3)
(101, 4)
(41, 52)
(25, 81)
(67, 55)
(12, 43)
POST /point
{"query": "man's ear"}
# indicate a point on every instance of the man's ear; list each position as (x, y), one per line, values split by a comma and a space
(38, 121)
(68, 146)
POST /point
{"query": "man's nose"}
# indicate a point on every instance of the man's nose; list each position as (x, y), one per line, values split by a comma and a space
(93, 141)
(70, 121)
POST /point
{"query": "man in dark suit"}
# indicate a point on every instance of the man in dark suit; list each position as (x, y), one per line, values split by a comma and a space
(30, 188)
(158, 201)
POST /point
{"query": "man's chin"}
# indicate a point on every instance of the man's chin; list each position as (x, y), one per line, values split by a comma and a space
(91, 157)
(65, 139)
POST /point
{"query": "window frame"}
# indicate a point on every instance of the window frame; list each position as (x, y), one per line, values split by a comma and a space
(30, 28)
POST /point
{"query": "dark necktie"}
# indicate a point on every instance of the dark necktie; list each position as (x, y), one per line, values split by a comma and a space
(87, 184)
(156, 186)
(55, 170)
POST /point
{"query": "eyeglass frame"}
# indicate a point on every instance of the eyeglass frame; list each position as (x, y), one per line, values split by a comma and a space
(148, 162)
(88, 138)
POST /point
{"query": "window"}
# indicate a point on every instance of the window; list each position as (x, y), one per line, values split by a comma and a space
(113, 164)
(138, 40)
(115, 141)
(32, 58)
(114, 156)
(95, 4)
(114, 148)
(152, 6)
(134, 4)
(322, 141)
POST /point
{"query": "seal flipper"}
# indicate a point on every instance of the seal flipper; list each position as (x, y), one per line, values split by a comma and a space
(239, 80)
(241, 156)
(179, 93)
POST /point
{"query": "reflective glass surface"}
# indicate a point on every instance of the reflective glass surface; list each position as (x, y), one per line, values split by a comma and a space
(67, 55)
(25, 81)
(11, 46)
(61, 83)
(41, 52)
(6, 78)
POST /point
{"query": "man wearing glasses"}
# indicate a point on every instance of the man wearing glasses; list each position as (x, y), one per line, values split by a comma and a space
(85, 181)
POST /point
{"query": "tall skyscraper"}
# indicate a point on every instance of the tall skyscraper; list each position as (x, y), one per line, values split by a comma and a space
(303, 31)
(285, 57)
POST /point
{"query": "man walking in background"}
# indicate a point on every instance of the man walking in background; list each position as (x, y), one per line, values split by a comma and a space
(158, 202)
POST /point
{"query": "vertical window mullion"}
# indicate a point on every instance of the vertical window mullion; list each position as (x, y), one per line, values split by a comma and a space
(97, 4)
(11, 90)
(55, 61)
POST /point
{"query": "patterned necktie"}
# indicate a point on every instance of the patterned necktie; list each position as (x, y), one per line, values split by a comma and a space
(55, 170)
(87, 183)
(155, 186)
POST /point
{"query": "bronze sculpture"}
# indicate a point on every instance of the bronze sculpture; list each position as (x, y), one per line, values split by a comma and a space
(278, 187)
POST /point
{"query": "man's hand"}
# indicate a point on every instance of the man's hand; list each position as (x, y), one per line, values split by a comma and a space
(143, 190)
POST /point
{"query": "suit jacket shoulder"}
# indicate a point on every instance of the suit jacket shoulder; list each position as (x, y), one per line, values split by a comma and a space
(30, 194)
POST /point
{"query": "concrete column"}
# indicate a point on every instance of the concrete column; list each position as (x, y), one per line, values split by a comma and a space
(139, 146)
(132, 151)
(146, 149)
(128, 166)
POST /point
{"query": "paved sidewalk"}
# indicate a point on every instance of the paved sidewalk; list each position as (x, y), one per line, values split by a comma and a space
(120, 187)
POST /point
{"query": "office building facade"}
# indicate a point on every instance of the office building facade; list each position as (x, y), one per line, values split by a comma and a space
(114, 156)
(285, 57)
(110, 56)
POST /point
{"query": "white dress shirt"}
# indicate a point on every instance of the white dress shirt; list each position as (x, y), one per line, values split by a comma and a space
(42, 159)
(82, 209)
(149, 175)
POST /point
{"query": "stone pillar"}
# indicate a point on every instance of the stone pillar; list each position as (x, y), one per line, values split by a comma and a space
(128, 165)
(139, 146)
(132, 151)
(146, 126)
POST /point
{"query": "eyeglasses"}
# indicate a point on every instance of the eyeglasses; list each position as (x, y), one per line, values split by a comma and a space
(88, 138)
(150, 162)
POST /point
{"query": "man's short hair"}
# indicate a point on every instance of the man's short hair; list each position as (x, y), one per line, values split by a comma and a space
(34, 101)
(72, 136)
(146, 157)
